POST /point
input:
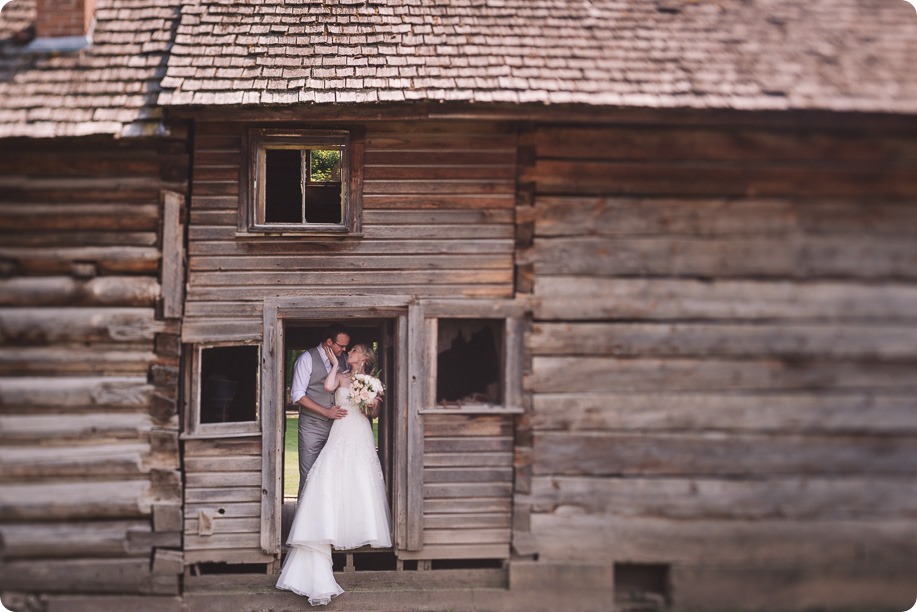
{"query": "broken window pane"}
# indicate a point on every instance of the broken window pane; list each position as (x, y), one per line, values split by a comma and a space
(229, 384)
(283, 188)
(469, 361)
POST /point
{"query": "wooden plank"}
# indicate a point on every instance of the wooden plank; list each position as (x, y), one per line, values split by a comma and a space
(468, 445)
(401, 158)
(227, 555)
(173, 255)
(222, 464)
(597, 374)
(431, 172)
(584, 298)
(439, 201)
(698, 178)
(221, 330)
(470, 505)
(870, 498)
(272, 419)
(417, 337)
(745, 257)
(438, 187)
(223, 447)
(68, 540)
(699, 454)
(75, 500)
(466, 521)
(478, 425)
(400, 474)
(267, 247)
(52, 326)
(58, 291)
(224, 510)
(223, 479)
(772, 543)
(458, 551)
(467, 459)
(299, 278)
(465, 536)
(467, 490)
(846, 341)
(223, 525)
(220, 496)
(92, 603)
(841, 412)
(94, 359)
(710, 217)
(222, 541)
(345, 262)
(467, 474)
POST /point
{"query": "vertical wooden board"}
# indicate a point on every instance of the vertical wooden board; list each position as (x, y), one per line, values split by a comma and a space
(417, 368)
(400, 484)
(272, 413)
(173, 255)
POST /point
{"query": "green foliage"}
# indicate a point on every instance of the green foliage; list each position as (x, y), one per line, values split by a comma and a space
(325, 165)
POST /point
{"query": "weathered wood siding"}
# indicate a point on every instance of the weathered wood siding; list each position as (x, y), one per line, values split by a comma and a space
(724, 362)
(438, 220)
(90, 490)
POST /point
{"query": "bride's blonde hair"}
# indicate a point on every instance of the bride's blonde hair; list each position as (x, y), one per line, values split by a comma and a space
(370, 356)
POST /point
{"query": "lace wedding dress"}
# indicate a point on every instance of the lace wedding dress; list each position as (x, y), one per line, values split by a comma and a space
(343, 505)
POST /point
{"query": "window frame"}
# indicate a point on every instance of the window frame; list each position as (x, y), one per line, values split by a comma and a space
(252, 203)
(233, 428)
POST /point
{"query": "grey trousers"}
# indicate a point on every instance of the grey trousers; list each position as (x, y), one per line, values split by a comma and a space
(313, 433)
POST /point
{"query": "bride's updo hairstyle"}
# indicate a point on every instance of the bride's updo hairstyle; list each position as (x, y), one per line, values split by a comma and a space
(370, 356)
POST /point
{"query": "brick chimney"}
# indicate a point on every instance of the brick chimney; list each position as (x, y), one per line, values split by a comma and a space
(63, 25)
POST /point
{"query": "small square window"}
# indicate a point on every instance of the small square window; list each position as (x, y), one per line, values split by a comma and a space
(225, 383)
(469, 362)
(302, 182)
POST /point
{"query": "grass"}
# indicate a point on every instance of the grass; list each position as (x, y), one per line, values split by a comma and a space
(291, 454)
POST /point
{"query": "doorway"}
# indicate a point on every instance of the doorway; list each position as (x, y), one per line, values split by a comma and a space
(299, 335)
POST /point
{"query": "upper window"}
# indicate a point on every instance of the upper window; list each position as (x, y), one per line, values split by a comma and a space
(302, 182)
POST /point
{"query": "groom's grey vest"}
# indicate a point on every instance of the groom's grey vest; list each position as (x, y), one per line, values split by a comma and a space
(315, 390)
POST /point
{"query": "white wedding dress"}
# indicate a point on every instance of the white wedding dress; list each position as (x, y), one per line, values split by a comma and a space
(343, 505)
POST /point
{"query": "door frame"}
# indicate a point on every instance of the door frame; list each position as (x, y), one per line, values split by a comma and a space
(277, 310)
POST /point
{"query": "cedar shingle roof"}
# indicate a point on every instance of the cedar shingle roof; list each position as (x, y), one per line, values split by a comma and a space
(746, 54)
(856, 55)
(107, 88)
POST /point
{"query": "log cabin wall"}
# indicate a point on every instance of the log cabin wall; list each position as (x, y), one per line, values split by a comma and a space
(724, 357)
(91, 492)
(438, 221)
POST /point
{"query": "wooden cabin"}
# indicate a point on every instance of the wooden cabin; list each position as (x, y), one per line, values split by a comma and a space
(644, 297)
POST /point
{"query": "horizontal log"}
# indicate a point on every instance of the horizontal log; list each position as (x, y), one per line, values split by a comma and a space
(474, 505)
(850, 498)
(353, 262)
(715, 144)
(109, 160)
(79, 576)
(49, 428)
(465, 536)
(567, 536)
(454, 425)
(709, 217)
(92, 603)
(96, 460)
(467, 521)
(273, 247)
(801, 257)
(86, 539)
(76, 392)
(477, 474)
(108, 260)
(584, 298)
(717, 179)
(845, 341)
(86, 217)
(721, 455)
(61, 501)
(53, 326)
(77, 239)
(843, 412)
(65, 291)
(72, 359)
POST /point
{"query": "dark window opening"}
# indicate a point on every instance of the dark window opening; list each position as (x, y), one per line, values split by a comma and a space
(228, 568)
(469, 361)
(375, 562)
(643, 585)
(443, 564)
(303, 186)
(229, 384)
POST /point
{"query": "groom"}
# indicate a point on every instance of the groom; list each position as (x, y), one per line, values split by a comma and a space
(316, 409)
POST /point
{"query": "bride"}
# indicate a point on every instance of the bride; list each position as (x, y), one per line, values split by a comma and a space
(343, 504)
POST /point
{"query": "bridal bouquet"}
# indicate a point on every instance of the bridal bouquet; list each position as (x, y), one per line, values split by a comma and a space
(364, 389)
